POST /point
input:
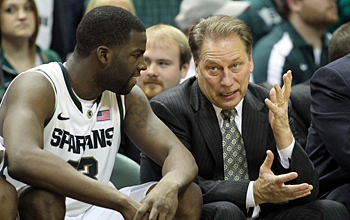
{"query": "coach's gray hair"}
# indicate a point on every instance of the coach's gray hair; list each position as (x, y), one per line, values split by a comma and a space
(218, 27)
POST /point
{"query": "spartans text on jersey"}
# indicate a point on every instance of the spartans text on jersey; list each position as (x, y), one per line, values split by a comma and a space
(96, 139)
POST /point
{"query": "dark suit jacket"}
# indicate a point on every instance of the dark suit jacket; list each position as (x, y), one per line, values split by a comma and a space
(328, 142)
(300, 97)
(191, 116)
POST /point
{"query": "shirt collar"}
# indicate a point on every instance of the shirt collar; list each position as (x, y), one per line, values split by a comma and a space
(238, 108)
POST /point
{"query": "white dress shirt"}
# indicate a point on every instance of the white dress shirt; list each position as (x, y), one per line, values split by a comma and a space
(283, 155)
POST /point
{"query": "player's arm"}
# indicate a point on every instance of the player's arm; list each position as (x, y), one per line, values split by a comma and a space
(157, 141)
(29, 101)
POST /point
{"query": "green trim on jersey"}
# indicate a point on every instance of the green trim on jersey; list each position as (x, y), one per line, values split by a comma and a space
(121, 110)
(69, 87)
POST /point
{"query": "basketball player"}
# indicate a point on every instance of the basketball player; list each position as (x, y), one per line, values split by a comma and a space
(61, 125)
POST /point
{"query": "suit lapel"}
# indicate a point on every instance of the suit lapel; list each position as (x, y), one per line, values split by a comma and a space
(254, 124)
(208, 125)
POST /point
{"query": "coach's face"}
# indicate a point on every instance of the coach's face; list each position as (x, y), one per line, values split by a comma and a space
(223, 71)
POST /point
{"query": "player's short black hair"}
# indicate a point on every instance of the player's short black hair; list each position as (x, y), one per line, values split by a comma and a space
(105, 26)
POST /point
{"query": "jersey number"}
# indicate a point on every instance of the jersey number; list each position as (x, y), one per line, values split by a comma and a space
(88, 165)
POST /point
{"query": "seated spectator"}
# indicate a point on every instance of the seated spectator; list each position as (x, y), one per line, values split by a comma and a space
(167, 57)
(328, 139)
(261, 17)
(299, 43)
(19, 29)
(339, 46)
(239, 133)
(343, 13)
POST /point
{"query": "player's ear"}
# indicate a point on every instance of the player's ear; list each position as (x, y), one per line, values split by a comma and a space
(103, 54)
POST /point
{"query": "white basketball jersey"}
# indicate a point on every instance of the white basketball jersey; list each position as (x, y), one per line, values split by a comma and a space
(87, 138)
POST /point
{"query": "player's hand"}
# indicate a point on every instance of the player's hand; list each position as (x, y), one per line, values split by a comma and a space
(269, 188)
(130, 208)
(161, 203)
(278, 114)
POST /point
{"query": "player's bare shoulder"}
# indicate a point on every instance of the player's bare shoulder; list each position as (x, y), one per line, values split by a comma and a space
(28, 91)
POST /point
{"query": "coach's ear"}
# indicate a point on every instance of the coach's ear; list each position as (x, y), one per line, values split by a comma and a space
(103, 54)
